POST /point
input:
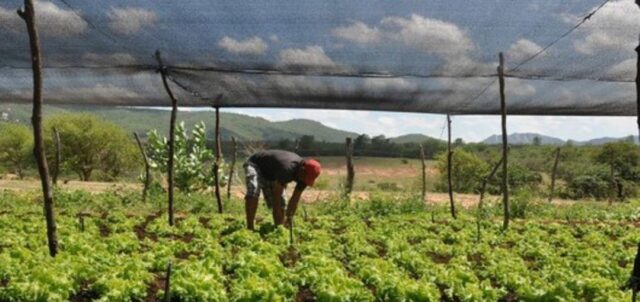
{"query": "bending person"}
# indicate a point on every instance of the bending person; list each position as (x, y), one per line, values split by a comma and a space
(270, 171)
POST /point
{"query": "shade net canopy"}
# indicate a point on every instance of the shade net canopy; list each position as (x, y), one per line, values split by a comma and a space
(437, 56)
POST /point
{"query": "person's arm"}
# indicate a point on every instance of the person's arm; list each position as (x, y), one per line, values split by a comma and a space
(278, 213)
(293, 202)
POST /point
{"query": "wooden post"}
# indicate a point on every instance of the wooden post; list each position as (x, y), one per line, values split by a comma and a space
(81, 220)
(505, 145)
(485, 181)
(424, 174)
(638, 81)
(56, 171)
(350, 171)
(553, 174)
(172, 130)
(167, 284)
(28, 15)
(232, 167)
(634, 280)
(216, 164)
(449, 165)
(147, 168)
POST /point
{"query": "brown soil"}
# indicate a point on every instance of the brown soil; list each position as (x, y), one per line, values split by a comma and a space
(4, 282)
(154, 287)
(104, 229)
(509, 297)
(290, 257)
(84, 294)
(204, 221)
(141, 229)
(441, 259)
(305, 295)
(380, 247)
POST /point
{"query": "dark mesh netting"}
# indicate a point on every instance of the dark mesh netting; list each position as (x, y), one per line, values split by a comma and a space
(562, 57)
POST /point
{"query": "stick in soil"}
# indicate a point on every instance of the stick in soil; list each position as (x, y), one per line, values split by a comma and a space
(167, 285)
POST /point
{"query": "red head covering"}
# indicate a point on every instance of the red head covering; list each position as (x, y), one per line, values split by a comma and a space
(311, 171)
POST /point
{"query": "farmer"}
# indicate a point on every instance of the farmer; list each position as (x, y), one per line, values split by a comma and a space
(270, 171)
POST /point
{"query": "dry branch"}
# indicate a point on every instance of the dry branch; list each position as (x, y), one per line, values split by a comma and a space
(28, 15)
(505, 146)
(147, 168)
(449, 164)
(216, 164)
(232, 167)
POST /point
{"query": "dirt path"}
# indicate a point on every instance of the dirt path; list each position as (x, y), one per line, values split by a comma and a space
(310, 196)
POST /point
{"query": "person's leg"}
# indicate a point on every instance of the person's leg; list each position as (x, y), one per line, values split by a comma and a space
(270, 197)
(253, 194)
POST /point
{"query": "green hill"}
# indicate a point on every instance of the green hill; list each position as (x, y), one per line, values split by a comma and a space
(412, 138)
(241, 126)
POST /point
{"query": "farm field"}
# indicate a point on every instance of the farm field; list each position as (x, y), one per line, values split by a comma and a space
(389, 248)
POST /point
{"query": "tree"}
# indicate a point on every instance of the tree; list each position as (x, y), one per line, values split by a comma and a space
(537, 141)
(16, 148)
(307, 142)
(192, 159)
(467, 171)
(361, 142)
(622, 157)
(91, 144)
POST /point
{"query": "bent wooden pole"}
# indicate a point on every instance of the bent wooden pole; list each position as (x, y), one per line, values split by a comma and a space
(553, 174)
(485, 181)
(56, 140)
(424, 174)
(147, 168)
(449, 165)
(505, 146)
(350, 170)
(216, 164)
(28, 15)
(172, 130)
(232, 167)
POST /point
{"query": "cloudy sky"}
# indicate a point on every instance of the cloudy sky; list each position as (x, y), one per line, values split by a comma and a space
(413, 56)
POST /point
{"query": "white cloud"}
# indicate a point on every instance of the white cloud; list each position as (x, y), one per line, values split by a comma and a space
(430, 35)
(625, 69)
(250, 46)
(358, 32)
(100, 91)
(388, 84)
(52, 21)
(96, 59)
(310, 56)
(274, 38)
(610, 28)
(522, 50)
(130, 20)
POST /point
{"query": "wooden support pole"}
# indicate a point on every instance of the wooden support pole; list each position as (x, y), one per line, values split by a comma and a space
(167, 284)
(424, 173)
(485, 181)
(216, 164)
(28, 15)
(172, 130)
(147, 168)
(634, 280)
(449, 167)
(350, 170)
(56, 170)
(638, 82)
(232, 167)
(553, 174)
(505, 146)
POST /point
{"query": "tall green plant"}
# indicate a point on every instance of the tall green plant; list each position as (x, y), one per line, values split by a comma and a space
(192, 160)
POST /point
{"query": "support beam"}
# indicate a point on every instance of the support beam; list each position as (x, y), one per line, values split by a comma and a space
(638, 81)
(424, 174)
(505, 146)
(147, 168)
(449, 166)
(232, 167)
(172, 130)
(216, 164)
(350, 170)
(553, 174)
(483, 189)
(28, 15)
(56, 170)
